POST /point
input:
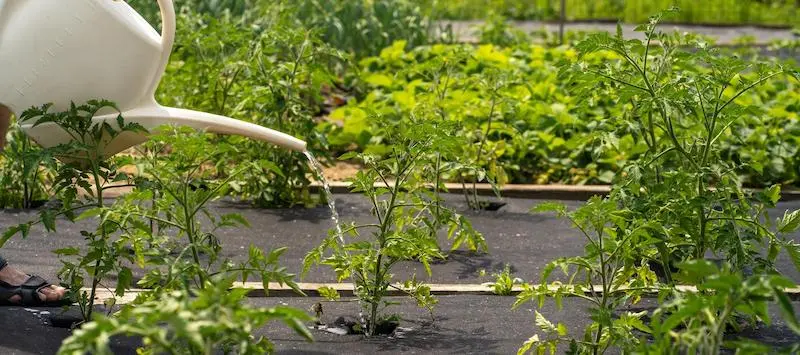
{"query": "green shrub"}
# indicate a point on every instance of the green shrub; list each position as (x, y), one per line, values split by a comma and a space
(24, 171)
(365, 27)
(756, 12)
(273, 76)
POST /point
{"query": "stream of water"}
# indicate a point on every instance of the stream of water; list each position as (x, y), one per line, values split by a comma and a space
(317, 167)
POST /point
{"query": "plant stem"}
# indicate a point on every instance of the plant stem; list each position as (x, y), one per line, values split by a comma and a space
(95, 274)
(701, 243)
(436, 192)
(26, 199)
(189, 218)
(604, 296)
(480, 150)
(377, 286)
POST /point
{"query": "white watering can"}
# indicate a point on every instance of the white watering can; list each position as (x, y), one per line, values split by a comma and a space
(62, 51)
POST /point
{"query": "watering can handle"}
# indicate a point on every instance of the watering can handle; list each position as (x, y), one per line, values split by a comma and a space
(168, 24)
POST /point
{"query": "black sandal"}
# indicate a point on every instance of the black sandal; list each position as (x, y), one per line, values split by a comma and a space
(29, 293)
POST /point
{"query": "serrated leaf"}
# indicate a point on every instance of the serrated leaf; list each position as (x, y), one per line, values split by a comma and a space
(124, 280)
(787, 308)
(793, 249)
(790, 222)
(544, 324)
(528, 344)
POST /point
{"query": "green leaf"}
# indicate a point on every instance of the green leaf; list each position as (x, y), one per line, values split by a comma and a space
(67, 251)
(773, 193)
(557, 207)
(561, 329)
(793, 249)
(698, 268)
(790, 222)
(328, 293)
(48, 218)
(544, 324)
(787, 308)
(93, 212)
(124, 280)
(528, 344)
(12, 231)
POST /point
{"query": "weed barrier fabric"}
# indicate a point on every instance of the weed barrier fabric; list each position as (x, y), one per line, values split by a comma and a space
(525, 241)
(462, 324)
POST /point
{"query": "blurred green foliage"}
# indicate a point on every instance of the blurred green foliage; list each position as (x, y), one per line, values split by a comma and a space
(723, 12)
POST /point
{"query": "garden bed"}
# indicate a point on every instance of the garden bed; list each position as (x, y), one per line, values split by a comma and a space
(464, 322)
(515, 237)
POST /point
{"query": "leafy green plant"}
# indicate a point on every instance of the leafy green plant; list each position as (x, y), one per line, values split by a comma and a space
(189, 322)
(504, 282)
(328, 293)
(24, 171)
(697, 322)
(267, 72)
(674, 205)
(292, 67)
(185, 187)
(532, 135)
(187, 283)
(85, 167)
(497, 31)
(365, 27)
(680, 104)
(404, 214)
(730, 12)
(610, 275)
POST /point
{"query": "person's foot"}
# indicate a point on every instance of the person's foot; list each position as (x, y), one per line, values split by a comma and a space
(15, 277)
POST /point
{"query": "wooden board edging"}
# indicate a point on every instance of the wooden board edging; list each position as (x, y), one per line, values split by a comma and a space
(346, 290)
(538, 192)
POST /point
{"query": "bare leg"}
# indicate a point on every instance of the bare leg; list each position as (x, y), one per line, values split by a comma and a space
(5, 120)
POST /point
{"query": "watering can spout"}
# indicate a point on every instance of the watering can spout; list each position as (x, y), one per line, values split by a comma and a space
(154, 116)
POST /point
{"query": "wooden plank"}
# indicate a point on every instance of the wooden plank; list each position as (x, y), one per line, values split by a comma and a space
(542, 192)
(539, 192)
(346, 290)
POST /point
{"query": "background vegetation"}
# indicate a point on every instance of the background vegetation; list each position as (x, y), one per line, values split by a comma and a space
(722, 12)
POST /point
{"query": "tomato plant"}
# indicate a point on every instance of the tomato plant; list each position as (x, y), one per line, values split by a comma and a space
(408, 219)
(676, 205)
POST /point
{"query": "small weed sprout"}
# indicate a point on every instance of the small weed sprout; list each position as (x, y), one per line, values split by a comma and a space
(504, 282)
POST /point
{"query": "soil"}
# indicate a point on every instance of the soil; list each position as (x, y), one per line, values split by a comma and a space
(341, 171)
